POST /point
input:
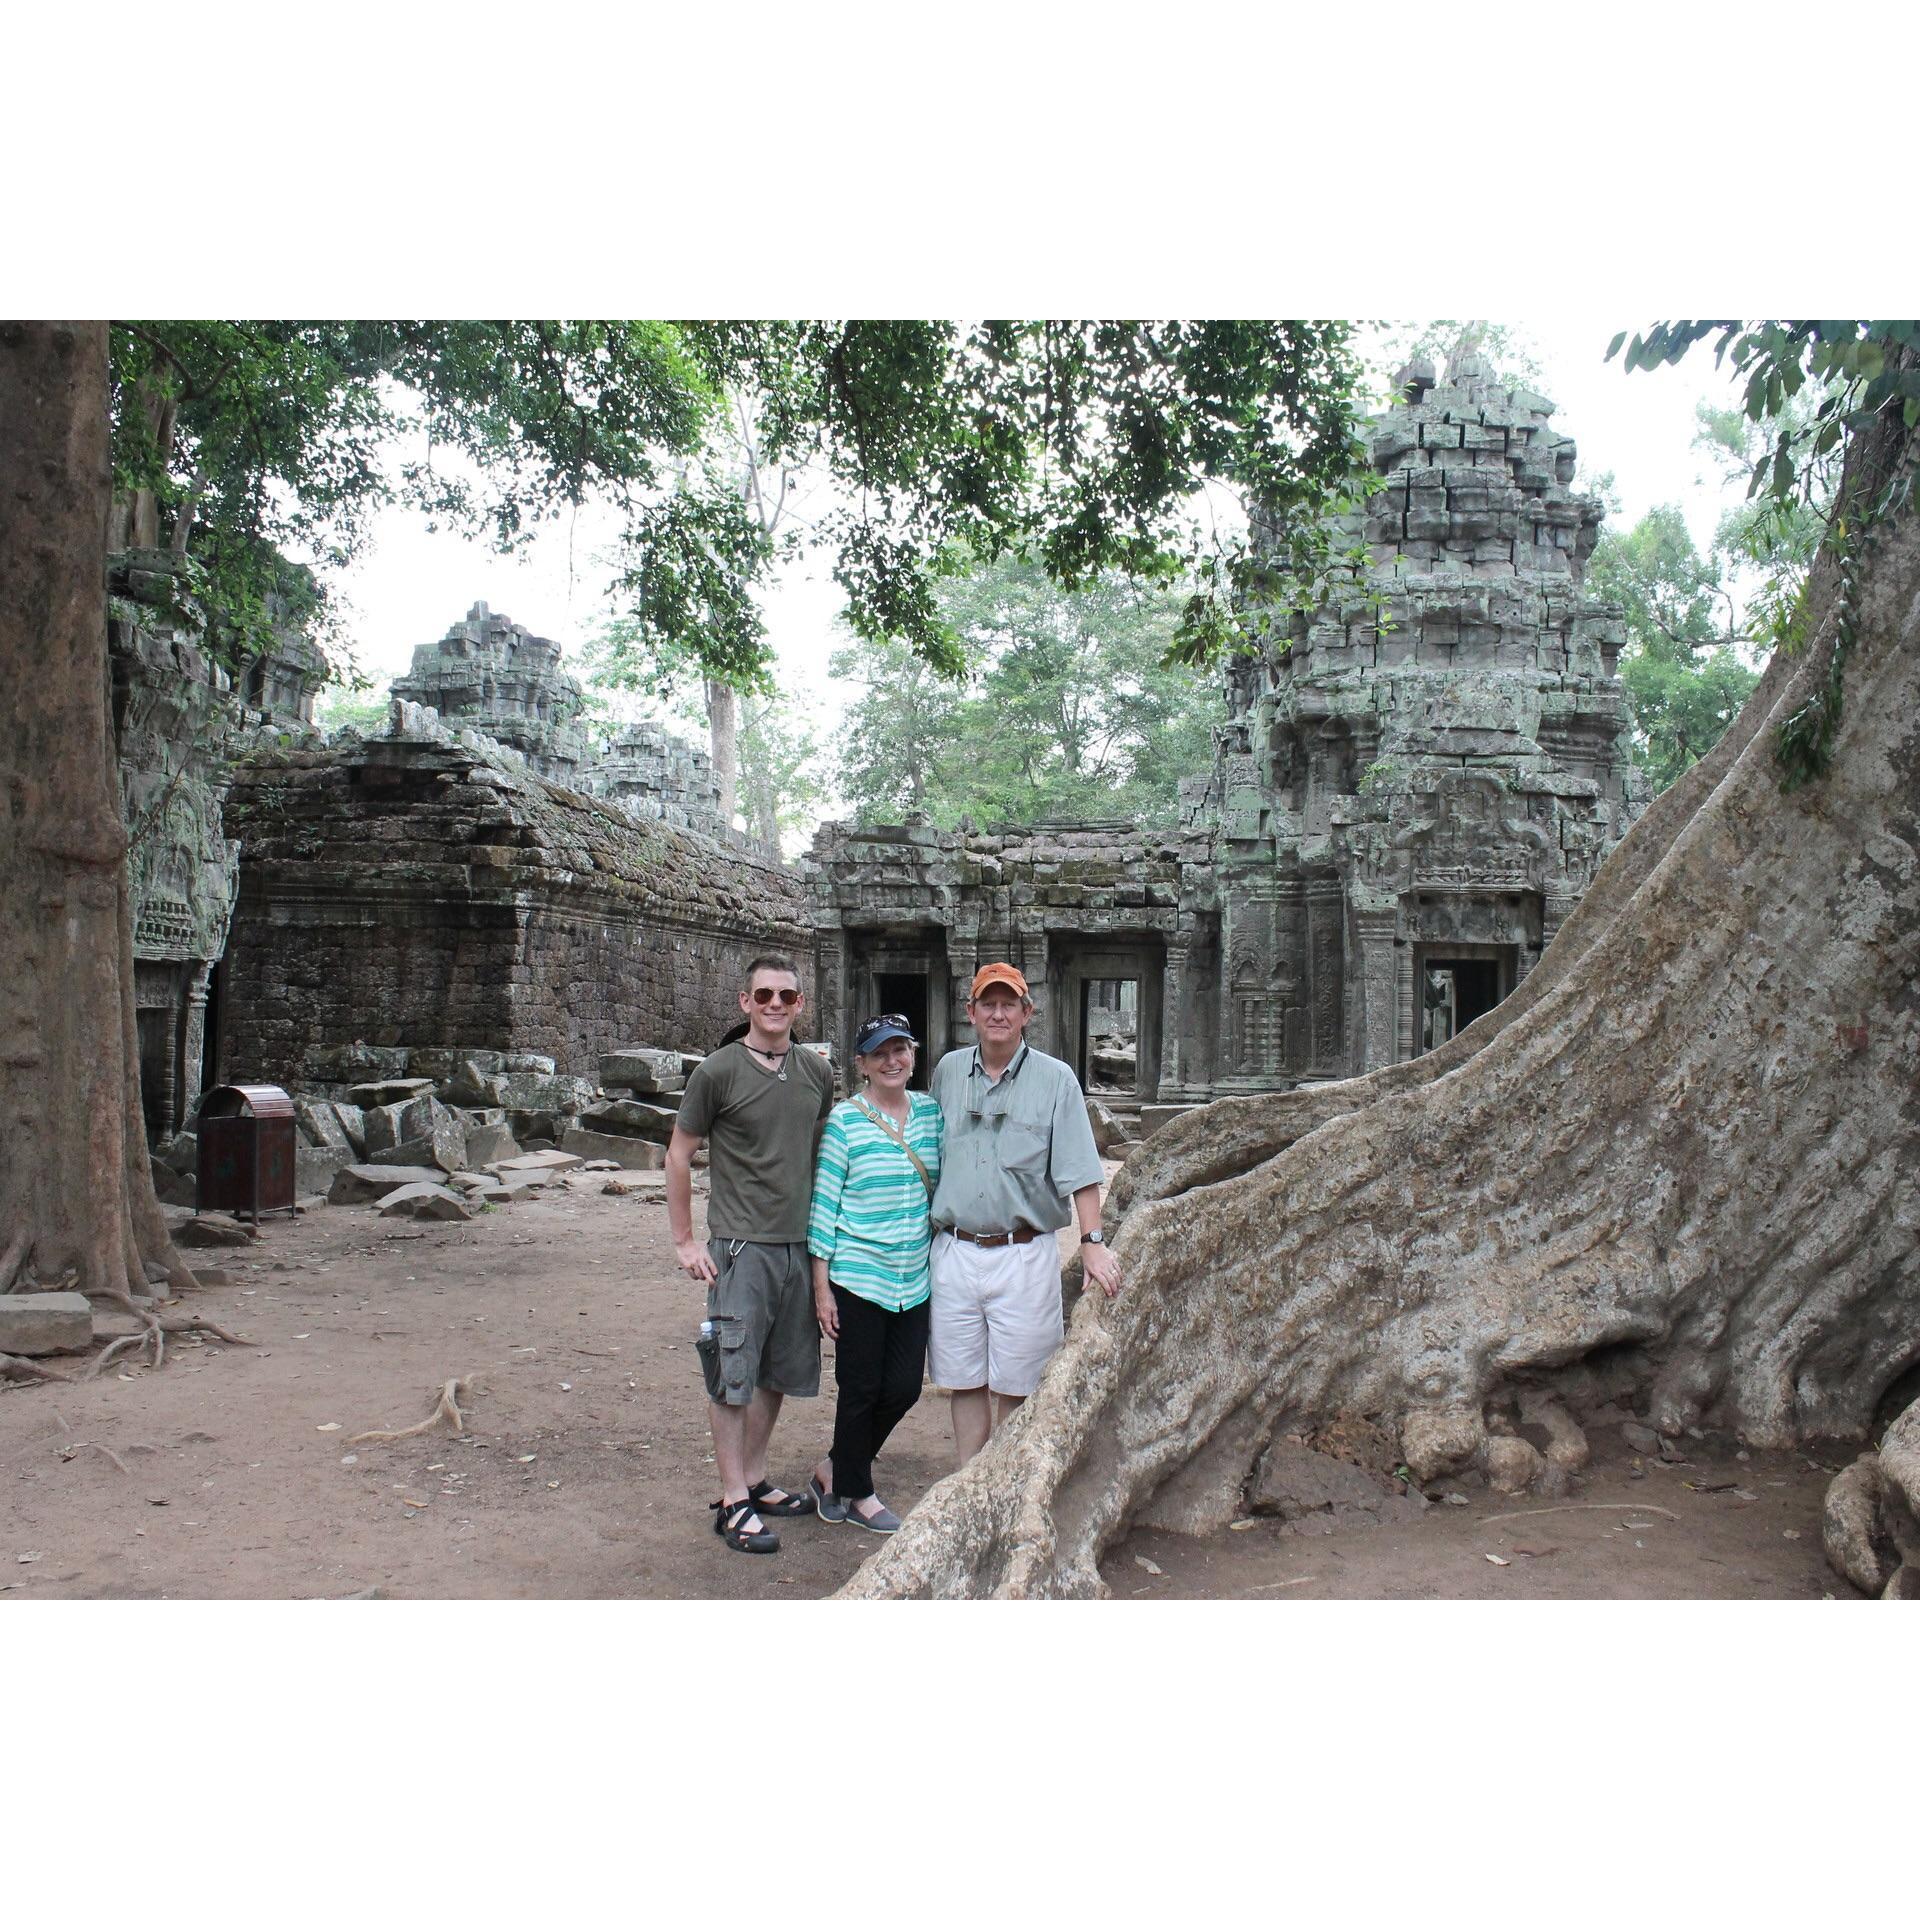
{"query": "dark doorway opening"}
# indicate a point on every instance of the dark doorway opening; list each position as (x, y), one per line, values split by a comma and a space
(212, 1037)
(154, 1030)
(1109, 1048)
(1456, 991)
(906, 995)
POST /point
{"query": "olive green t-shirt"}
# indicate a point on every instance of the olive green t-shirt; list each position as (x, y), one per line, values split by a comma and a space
(762, 1133)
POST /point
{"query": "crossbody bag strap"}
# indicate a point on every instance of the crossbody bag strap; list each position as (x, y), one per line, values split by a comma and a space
(899, 1140)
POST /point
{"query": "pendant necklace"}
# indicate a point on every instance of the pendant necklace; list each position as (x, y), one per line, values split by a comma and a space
(781, 1058)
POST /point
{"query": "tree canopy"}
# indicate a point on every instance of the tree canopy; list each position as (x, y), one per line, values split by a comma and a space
(1082, 445)
(1680, 665)
(1847, 376)
(1069, 709)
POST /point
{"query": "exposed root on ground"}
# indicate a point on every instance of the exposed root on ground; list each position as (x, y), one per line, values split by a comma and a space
(446, 1413)
(1581, 1506)
(26, 1373)
(154, 1329)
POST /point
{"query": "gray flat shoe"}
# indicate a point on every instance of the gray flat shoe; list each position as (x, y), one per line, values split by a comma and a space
(885, 1521)
(828, 1506)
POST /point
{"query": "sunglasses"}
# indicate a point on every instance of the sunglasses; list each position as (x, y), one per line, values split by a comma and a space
(880, 1020)
(766, 996)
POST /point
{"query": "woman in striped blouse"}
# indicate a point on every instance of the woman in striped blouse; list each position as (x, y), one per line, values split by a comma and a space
(868, 1234)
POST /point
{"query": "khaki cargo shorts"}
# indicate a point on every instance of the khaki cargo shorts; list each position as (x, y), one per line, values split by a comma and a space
(764, 1330)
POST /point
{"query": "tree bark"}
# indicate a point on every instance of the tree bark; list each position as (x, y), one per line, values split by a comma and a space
(723, 724)
(1679, 1164)
(77, 1206)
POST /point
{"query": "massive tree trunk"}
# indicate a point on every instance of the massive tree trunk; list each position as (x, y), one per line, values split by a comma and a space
(1678, 1163)
(77, 1206)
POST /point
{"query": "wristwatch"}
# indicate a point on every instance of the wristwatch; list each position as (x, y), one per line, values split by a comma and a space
(1094, 1239)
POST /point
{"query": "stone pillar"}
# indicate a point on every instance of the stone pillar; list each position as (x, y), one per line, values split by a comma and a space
(1376, 987)
(1034, 959)
(1326, 989)
(1411, 1003)
(963, 961)
(1173, 1019)
(831, 1019)
(193, 1043)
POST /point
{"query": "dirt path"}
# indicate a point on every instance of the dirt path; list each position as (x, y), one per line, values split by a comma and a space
(586, 1468)
(1742, 1527)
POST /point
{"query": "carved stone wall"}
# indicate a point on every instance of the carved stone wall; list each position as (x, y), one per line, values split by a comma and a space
(1067, 903)
(177, 717)
(430, 892)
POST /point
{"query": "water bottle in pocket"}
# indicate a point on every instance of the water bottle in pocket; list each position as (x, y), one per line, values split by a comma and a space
(708, 1348)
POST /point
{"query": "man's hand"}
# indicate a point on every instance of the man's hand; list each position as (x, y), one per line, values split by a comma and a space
(1101, 1269)
(827, 1311)
(694, 1257)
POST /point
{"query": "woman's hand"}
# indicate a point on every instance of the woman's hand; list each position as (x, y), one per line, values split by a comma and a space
(826, 1310)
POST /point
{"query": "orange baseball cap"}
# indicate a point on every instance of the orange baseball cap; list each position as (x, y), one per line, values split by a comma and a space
(999, 974)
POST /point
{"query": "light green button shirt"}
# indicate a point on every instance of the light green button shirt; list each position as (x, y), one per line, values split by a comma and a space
(1015, 1148)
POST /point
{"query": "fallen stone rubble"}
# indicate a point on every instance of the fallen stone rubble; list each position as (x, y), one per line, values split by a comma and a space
(373, 1122)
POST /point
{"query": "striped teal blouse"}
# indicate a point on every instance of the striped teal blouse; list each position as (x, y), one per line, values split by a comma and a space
(870, 1213)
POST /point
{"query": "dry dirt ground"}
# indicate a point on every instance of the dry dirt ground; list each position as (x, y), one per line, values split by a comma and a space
(585, 1470)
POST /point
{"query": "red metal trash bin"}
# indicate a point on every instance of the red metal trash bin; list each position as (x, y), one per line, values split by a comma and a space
(246, 1151)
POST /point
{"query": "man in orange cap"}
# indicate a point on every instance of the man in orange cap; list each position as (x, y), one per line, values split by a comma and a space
(1018, 1163)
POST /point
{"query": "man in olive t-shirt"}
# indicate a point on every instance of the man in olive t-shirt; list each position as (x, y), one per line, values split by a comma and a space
(759, 1104)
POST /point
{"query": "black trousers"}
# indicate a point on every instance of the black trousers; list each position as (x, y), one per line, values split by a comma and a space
(878, 1364)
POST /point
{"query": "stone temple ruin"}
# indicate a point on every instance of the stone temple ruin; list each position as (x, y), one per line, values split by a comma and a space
(1404, 804)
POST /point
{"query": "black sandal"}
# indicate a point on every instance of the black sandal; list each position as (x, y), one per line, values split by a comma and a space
(731, 1517)
(790, 1506)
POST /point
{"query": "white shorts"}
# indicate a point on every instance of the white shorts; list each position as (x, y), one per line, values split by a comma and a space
(996, 1314)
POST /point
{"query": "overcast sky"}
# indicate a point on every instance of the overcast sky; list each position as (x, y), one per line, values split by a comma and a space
(413, 585)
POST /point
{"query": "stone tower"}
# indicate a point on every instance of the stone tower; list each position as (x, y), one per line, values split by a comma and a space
(1411, 796)
(492, 675)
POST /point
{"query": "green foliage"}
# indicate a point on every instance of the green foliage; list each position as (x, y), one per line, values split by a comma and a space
(1082, 445)
(346, 706)
(1854, 372)
(255, 436)
(1685, 676)
(1071, 711)
(1682, 706)
(783, 783)
(1671, 593)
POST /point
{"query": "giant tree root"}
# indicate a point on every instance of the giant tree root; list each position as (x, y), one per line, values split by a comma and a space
(446, 1413)
(1871, 1523)
(1683, 1168)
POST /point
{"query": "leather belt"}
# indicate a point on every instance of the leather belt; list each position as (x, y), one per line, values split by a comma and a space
(1015, 1237)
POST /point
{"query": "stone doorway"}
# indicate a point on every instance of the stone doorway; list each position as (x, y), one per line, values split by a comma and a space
(1110, 1036)
(902, 972)
(1093, 988)
(906, 995)
(1456, 984)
